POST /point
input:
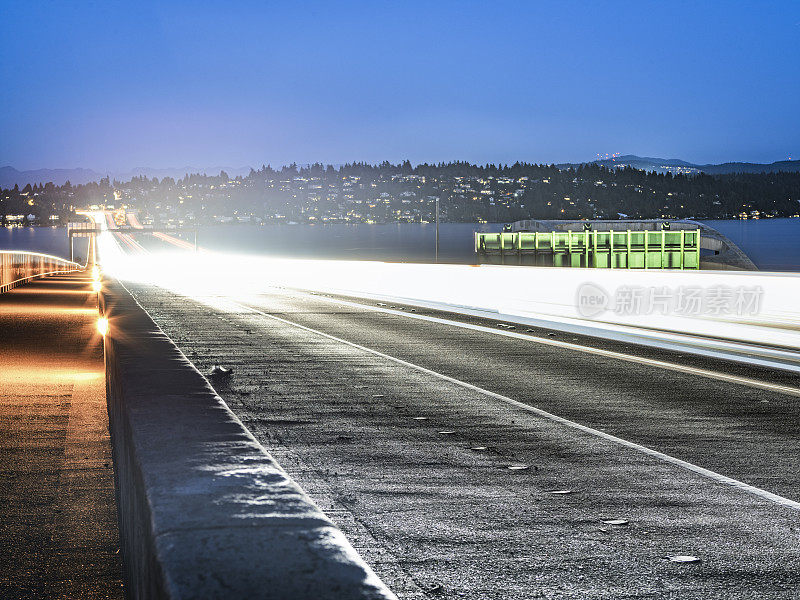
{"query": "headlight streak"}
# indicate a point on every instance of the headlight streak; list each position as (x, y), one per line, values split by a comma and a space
(543, 294)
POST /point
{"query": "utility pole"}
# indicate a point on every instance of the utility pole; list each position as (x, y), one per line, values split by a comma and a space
(437, 229)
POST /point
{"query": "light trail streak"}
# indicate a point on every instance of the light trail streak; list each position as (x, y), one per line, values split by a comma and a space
(536, 296)
(170, 239)
(105, 220)
(130, 242)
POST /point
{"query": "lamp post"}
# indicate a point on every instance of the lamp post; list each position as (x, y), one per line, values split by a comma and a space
(437, 229)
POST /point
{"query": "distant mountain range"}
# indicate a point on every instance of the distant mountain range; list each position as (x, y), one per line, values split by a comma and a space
(9, 176)
(674, 165)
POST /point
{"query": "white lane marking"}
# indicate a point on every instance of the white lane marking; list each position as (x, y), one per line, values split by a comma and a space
(747, 381)
(714, 476)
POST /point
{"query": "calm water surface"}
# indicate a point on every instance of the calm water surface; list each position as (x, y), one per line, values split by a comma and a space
(48, 240)
(410, 242)
(772, 244)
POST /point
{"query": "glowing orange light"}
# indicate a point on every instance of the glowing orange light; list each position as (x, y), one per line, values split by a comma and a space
(102, 326)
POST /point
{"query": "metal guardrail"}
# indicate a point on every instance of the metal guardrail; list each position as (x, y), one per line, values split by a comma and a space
(599, 249)
(17, 267)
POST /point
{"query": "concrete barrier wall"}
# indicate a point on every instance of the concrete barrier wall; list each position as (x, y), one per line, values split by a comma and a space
(204, 510)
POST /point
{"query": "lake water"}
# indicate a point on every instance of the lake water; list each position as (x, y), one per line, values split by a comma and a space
(410, 242)
(772, 244)
(48, 240)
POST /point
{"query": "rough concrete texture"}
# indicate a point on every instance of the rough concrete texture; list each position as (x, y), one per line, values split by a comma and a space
(443, 515)
(205, 512)
(58, 527)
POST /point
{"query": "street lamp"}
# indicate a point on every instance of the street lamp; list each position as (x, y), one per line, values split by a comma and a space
(437, 229)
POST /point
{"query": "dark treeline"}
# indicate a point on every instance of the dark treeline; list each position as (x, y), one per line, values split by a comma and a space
(363, 192)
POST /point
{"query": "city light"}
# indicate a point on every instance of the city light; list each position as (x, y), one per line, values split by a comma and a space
(96, 286)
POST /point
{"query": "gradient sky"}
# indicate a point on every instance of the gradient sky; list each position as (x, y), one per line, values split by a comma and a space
(108, 85)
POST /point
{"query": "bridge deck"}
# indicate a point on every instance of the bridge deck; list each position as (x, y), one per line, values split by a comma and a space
(58, 526)
(415, 464)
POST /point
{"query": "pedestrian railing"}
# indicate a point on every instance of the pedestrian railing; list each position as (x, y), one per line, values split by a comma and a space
(17, 267)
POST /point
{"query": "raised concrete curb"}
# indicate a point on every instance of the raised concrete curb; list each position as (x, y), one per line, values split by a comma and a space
(204, 510)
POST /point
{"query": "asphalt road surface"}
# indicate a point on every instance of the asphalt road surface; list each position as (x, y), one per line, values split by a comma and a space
(464, 463)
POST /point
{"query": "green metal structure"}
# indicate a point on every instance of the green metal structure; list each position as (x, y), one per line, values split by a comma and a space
(665, 249)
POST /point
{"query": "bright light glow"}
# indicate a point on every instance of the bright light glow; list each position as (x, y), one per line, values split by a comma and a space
(97, 286)
(544, 296)
(95, 273)
(102, 326)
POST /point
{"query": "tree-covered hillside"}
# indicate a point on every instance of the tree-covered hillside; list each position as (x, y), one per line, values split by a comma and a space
(361, 192)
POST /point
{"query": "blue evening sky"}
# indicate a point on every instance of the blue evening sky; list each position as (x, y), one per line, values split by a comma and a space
(112, 85)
